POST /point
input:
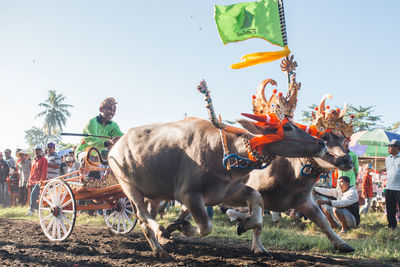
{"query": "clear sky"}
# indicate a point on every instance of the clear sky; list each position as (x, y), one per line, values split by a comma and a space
(150, 55)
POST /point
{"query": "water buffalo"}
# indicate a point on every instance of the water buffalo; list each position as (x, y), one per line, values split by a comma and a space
(183, 160)
(283, 187)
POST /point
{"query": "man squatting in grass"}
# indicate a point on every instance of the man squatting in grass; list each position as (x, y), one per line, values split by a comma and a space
(345, 209)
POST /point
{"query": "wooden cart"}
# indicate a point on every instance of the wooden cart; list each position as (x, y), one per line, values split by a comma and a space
(62, 197)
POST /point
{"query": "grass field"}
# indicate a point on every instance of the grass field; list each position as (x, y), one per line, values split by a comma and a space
(371, 239)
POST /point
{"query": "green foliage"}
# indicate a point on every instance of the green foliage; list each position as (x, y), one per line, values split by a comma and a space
(36, 136)
(307, 117)
(62, 145)
(55, 112)
(364, 119)
(55, 115)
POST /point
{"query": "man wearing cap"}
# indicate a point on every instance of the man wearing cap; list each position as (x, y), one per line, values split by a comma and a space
(10, 160)
(53, 161)
(392, 192)
(38, 174)
(100, 125)
(24, 171)
(4, 172)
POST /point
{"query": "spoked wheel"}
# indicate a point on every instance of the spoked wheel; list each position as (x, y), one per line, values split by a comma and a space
(121, 219)
(57, 210)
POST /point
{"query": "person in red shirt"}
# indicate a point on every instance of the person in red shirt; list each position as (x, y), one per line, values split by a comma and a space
(367, 190)
(38, 174)
(335, 176)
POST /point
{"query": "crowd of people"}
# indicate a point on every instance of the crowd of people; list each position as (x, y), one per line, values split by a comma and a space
(20, 177)
(20, 180)
(345, 210)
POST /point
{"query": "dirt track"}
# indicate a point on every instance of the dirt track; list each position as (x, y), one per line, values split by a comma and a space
(23, 243)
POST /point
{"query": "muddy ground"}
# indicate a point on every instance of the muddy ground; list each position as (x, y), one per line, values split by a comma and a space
(22, 243)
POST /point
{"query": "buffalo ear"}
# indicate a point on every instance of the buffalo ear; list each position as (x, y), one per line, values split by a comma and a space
(250, 126)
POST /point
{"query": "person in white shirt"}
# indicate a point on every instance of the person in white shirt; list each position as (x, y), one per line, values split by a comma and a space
(70, 161)
(345, 209)
(392, 192)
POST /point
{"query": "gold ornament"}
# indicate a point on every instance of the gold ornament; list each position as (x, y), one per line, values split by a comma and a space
(325, 119)
(282, 106)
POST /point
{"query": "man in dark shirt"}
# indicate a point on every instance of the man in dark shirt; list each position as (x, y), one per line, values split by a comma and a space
(4, 172)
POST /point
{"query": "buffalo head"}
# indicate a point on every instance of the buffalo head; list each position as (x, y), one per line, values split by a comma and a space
(294, 143)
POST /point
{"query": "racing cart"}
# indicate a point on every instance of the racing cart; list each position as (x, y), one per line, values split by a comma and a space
(61, 199)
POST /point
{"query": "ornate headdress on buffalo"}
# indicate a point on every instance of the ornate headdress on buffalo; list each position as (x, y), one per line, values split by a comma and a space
(278, 110)
(325, 119)
(282, 106)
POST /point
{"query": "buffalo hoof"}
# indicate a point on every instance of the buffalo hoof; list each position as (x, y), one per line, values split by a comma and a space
(176, 225)
(344, 247)
(241, 228)
(188, 229)
(161, 254)
(259, 250)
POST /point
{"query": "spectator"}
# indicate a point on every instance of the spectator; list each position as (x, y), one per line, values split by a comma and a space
(367, 190)
(53, 161)
(77, 165)
(335, 175)
(70, 161)
(276, 217)
(352, 174)
(345, 209)
(4, 172)
(238, 214)
(210, 211)
(63, 165)
(10, 160)
(24, 170)
(13, 186)
(38, 174)
(392, 192)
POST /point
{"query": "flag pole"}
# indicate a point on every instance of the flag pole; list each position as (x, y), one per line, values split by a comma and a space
(283, 29)
(282, 21)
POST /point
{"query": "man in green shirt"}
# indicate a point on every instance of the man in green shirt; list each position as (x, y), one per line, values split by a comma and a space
(100, 125)
(352, 174)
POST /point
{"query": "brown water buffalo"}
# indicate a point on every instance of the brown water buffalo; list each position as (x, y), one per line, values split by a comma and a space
(283, 187)
(183, 160)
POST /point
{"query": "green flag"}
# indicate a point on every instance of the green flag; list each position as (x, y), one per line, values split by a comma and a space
(242, 21)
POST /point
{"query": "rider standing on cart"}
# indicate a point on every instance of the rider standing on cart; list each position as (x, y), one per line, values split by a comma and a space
(100, 125)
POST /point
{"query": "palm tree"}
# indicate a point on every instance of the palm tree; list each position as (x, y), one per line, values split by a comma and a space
(55, 113)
